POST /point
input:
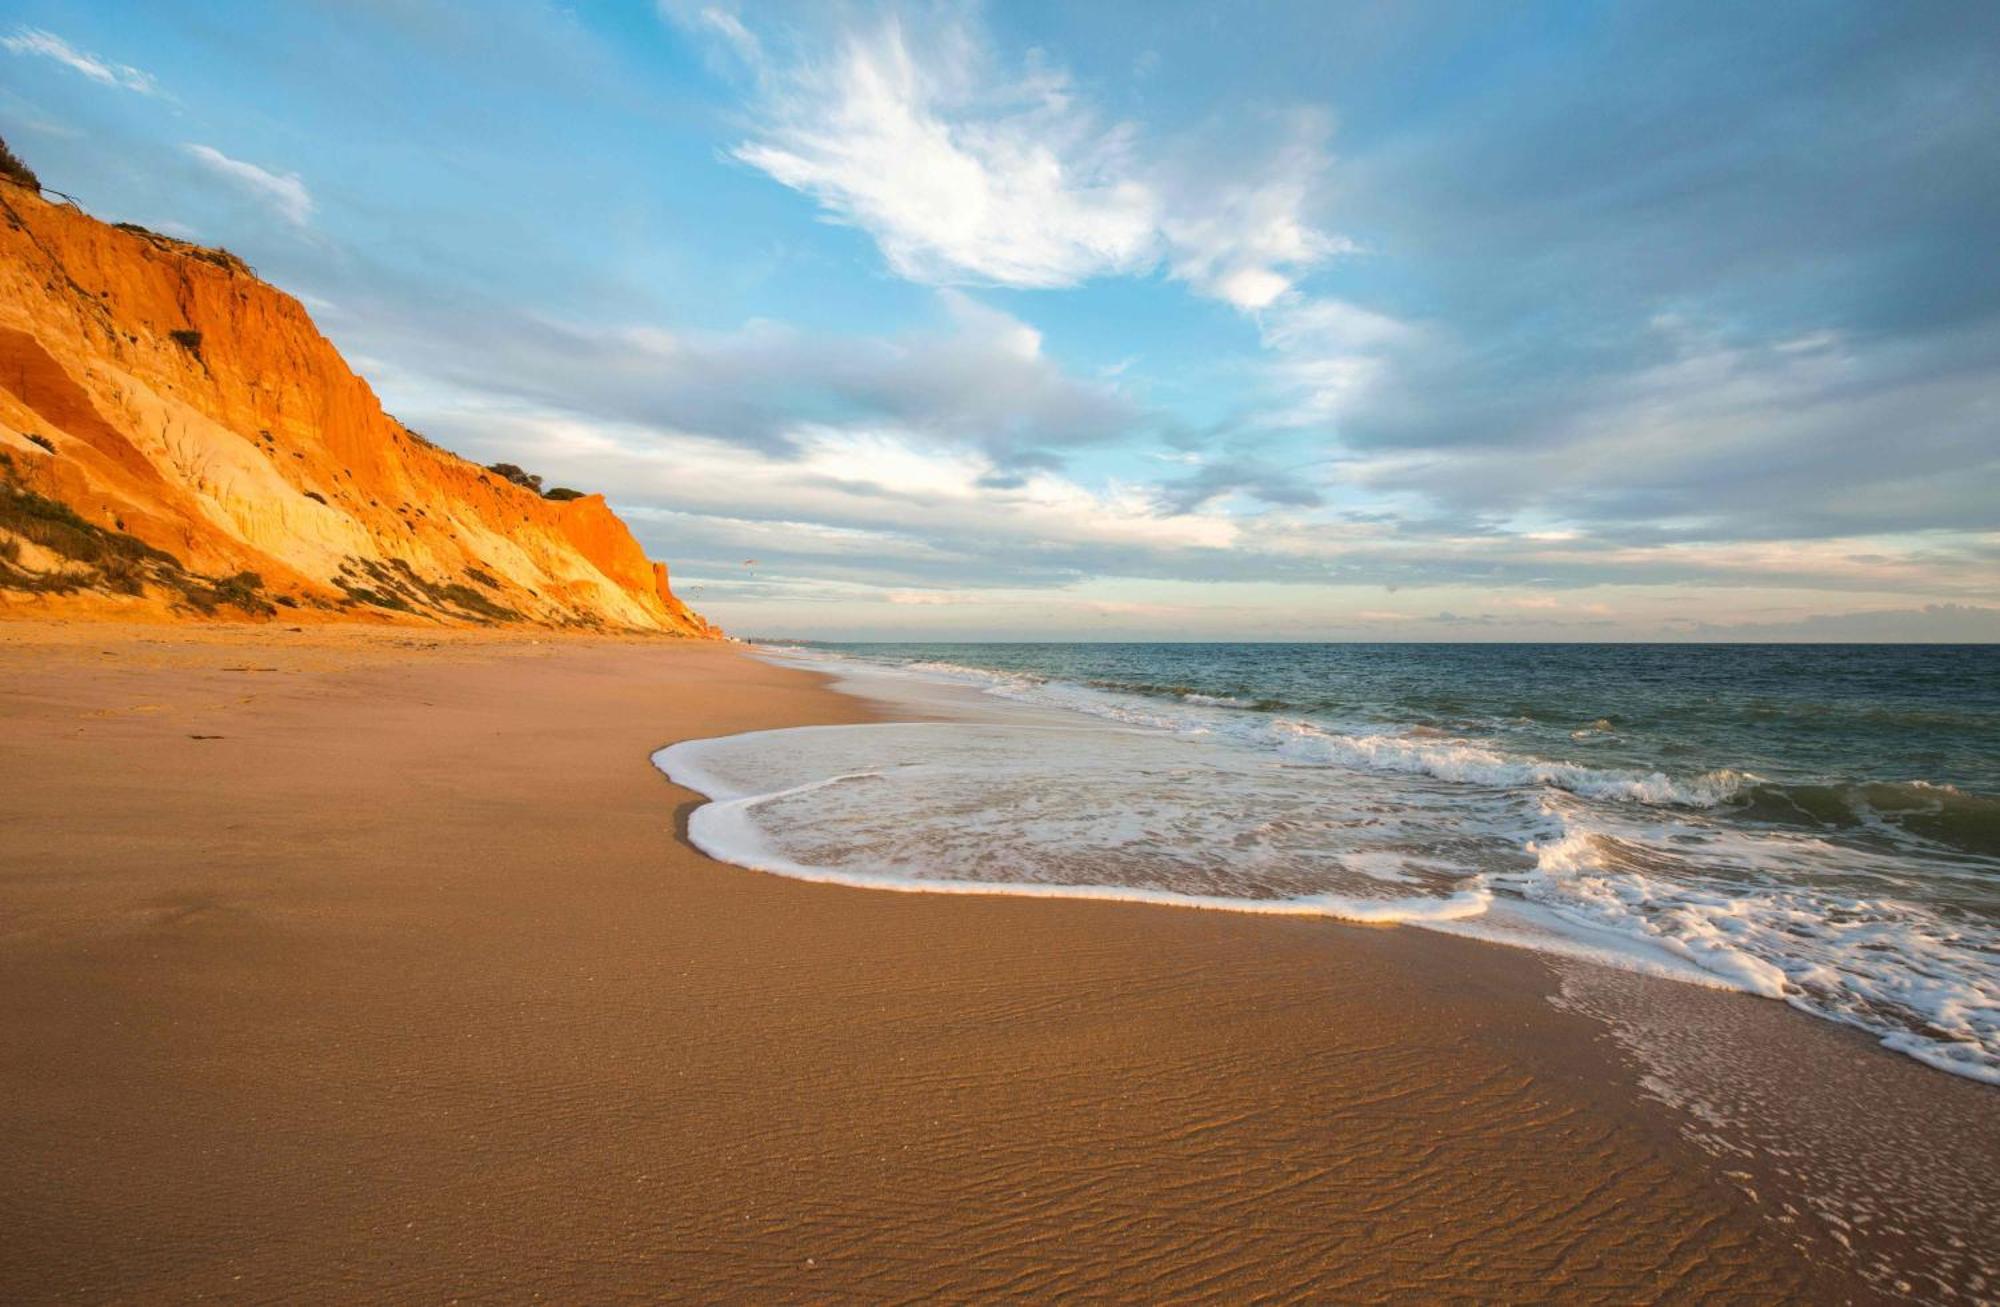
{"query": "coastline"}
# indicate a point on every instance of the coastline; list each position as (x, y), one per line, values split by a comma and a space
(372, 963)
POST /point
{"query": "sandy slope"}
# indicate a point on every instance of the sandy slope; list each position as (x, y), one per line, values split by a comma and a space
(357, 964)
(163, 392)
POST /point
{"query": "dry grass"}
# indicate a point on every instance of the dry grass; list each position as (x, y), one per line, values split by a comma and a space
(107, 561)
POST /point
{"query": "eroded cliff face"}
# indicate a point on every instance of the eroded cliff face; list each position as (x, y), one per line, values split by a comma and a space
(177, 438)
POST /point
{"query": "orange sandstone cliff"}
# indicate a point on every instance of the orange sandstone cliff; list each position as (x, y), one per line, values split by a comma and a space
(178, 439)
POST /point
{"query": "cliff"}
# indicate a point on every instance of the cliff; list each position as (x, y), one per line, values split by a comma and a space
(178, 439)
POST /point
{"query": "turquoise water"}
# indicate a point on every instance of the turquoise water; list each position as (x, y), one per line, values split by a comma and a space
(1819, 824)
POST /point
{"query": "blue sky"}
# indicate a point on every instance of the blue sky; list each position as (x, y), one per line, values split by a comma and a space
(1337, 321)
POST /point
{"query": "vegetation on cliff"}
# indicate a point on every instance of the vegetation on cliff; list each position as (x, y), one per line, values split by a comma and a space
(13, 170)
(77, 555)
(179, 439)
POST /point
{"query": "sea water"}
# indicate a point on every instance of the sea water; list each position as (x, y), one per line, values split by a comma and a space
(1818, 824)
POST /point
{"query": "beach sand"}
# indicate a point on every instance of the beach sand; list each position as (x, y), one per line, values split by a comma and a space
(368, 964)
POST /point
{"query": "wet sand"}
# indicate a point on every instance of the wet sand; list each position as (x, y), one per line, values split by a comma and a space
(369, 965)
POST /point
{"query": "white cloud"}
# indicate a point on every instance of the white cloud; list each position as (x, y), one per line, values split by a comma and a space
(1244, 241)
(1326, 354)
(978, 378)
(963, 172)
(884, 506)
(865, 510)
(1003, 332)
(1720, 439)
(731, 29)
(958, 174)
(36, 41)
(1309, 325)
(285, 194)
(936, 598)
(862, 486)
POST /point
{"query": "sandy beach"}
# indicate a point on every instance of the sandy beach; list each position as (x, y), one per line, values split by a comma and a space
(368, 964)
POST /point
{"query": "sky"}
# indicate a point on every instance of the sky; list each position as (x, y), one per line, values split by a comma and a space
(1422, 320)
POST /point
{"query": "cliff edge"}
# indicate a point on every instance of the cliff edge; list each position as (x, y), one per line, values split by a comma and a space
(178, 439)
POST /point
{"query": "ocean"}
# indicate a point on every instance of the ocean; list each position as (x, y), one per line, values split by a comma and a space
(1818, 824)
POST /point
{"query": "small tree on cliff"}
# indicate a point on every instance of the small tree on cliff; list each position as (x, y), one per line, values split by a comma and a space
(15, 171)
(517, 476)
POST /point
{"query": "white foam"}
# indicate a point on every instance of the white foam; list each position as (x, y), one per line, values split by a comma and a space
(1760, 910)
(912, 805)
(1465, 763)
(1216, 700)
(1530, 926)
(724, 831)
(1410, 751)
(1202, 805)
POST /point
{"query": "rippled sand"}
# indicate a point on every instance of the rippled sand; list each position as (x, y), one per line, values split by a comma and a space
(370, 966)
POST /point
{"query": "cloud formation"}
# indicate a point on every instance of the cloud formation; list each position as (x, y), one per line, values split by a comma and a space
(1239, 232)
(958, 174)
(977, 381)
(1708, 438)
(1490, 436)
(284, 194)
(1583, 328)
(966, 173)
(47, 45)
(1667, 296)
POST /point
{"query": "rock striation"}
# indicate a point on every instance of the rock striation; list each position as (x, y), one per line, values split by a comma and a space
(178, 439)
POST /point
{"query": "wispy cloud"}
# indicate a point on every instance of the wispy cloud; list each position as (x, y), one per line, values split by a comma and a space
(1326, 354)
(978, 379)
(285, 194)
(1715, 439)
(863, 488)
(47, 45)
(1552, 391)
(965, 171)
(732, 30)
(1244, 238)
(958, 172)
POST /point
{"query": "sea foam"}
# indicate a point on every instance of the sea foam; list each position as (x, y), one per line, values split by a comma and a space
(1084, 793)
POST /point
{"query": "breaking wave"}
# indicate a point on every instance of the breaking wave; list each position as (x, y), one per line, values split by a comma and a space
(1871, 904)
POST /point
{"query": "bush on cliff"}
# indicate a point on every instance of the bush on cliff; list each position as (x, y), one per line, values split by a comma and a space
(526, 480)
(95, 558)
(529, 481)
(15, 171)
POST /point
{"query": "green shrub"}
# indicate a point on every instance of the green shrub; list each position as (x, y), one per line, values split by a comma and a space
(15, 171)
(120, 575)
(245, 590)
(96, 558)
(56, 527)
(221, 258)
(361, 594)
(464, 596)
(526, 480)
